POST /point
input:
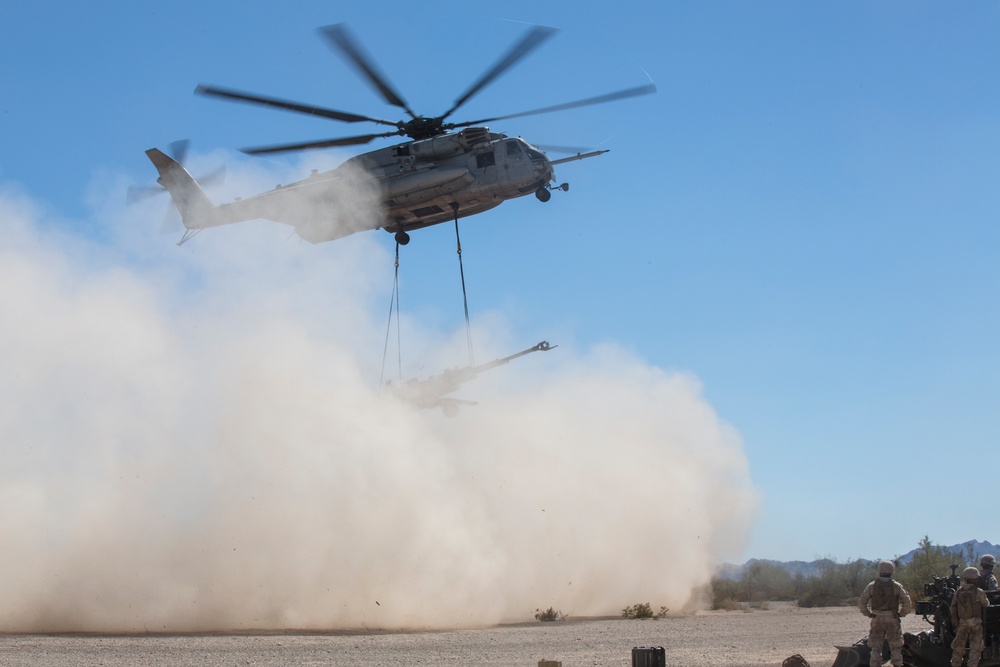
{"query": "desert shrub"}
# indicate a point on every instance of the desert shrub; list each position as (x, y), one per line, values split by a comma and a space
(766, 581)
(640, 610)
(549, 614)
(820, 599)
(726, 604)
(643, 610)
(725, 593)
(835, 584)
(729, 604)
(931, 560)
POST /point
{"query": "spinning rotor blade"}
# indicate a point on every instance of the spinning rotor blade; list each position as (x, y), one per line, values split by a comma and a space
(178, 150)
(171, 222)
(526, 45)
(136, 193)
(343, 141)
(225, 93)
(600, 99)
(340, 39)
(214, 177)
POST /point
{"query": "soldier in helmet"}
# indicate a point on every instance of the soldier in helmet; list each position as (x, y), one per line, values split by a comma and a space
(967, 607)
(885, 601)
(986, 580)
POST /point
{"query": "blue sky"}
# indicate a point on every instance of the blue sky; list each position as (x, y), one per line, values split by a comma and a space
(804, 216)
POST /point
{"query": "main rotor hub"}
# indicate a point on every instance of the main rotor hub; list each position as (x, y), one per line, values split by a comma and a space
(422, 127)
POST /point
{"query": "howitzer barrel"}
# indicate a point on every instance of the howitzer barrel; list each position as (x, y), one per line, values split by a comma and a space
(428, 393)
(541, 347)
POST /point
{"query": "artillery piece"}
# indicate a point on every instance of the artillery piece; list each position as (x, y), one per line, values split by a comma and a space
(431, 393)
(932, 648)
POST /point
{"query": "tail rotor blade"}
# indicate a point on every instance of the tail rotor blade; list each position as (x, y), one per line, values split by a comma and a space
(178, 149)
(171, 222)
(214, 177)
(138, 193)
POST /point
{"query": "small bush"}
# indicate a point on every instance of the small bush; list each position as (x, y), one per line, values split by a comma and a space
(820, 599)
(643, 610)
(549, 614)
(729, 604)
(726, 604)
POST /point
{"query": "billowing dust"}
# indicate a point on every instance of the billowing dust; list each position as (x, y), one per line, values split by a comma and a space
(193, 439)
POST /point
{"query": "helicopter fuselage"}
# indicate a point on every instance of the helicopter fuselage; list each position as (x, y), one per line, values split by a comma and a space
(399, 188)
(474, 170)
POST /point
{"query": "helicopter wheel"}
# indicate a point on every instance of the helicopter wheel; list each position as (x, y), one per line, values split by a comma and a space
(543, 194)
(402, 238)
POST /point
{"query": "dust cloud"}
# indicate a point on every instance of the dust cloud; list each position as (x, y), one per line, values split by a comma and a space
(193, 439)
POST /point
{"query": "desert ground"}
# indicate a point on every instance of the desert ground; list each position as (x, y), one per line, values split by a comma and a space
(707, 639)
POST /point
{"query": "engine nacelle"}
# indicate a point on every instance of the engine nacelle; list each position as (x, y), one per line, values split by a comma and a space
(448, 145)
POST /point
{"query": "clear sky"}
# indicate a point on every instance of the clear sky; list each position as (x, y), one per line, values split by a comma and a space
(804, 217)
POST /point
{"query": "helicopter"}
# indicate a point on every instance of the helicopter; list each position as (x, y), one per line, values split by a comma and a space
(444, 171)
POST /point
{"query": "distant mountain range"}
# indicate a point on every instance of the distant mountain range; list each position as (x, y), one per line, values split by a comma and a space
(815, 568)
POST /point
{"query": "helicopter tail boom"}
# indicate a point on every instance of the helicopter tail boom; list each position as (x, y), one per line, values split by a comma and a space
(190, 200)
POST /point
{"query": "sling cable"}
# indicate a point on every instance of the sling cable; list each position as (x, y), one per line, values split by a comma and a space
(394, 303)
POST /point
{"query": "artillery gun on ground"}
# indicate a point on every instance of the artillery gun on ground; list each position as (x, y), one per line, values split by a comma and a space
(932, 648)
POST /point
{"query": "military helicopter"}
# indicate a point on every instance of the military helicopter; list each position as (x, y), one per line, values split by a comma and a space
(445, 171)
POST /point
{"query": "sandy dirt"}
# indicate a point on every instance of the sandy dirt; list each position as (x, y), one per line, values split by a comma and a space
(709, 639)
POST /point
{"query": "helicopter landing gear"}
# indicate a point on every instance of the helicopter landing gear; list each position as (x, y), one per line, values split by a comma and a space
(544, 193)
(402, 238)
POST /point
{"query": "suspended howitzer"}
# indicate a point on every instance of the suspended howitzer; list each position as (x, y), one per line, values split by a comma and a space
(432, 392)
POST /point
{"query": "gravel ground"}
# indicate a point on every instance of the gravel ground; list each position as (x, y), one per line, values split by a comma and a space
(709, 639)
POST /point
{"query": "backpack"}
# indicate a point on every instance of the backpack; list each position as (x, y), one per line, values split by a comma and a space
(794, 661)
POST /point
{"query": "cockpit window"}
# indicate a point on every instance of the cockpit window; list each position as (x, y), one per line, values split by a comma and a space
(484, 160)
(513, 148)
(535, 155)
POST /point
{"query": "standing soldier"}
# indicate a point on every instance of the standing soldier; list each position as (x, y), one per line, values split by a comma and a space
(967, 617)
(986, 580)
(889, 602)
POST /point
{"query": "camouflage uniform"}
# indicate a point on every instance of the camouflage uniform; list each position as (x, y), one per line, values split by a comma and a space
(967, 616)
(986, 580)
(889, 602)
